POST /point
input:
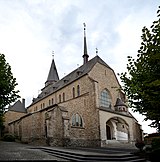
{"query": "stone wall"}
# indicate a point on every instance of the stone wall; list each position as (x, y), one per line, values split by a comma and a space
(10, 116)
(53, 123)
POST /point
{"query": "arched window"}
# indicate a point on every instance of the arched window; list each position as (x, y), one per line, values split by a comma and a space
(52, 101)
(78, 90)
(63, 96)
(73, 91)
(59, 98)
(77, 120)
(105, 99)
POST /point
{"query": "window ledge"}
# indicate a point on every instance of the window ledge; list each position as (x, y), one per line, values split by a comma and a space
(77, 127)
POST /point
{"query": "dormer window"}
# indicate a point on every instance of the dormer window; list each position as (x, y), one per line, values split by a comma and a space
(54, 87)
(66, 80)
(79, 72)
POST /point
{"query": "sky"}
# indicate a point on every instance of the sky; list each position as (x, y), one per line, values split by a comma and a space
(30, 30)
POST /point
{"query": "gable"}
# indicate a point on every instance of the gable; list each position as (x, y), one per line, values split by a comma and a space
(102, 73)
(17, 107)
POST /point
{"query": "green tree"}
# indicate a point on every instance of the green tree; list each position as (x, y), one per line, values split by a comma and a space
(8, 94)
(142, 81)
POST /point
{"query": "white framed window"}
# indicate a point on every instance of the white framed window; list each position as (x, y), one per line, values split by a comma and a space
(105, 99)
(77, 120)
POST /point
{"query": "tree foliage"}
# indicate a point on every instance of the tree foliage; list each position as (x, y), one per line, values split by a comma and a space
(8, 94)
(142, 81)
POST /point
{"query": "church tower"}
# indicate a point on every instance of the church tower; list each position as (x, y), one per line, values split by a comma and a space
(53, 74)
(85, 55)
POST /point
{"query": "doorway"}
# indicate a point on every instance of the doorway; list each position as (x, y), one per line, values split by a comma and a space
(108, 132)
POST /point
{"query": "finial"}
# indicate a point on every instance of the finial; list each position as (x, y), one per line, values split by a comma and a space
(85, 55)
(84, 29)
(96, 51)
(53, 54)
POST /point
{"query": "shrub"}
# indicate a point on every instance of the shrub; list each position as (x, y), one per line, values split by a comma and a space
(155, 143)
(140, 145)
(8, 138)
(154, 155)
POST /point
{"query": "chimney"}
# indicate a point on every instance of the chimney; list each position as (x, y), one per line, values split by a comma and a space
(23, 102)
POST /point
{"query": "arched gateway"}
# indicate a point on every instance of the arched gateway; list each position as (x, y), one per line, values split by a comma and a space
(117, 129)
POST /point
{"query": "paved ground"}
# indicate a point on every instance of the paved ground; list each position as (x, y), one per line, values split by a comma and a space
(11, 151)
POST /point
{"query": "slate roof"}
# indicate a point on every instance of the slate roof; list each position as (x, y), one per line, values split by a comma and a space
(53, 74)
(119, 102)
(17, 107)
(71, 77)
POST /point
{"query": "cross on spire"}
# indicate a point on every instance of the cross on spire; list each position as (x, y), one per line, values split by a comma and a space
(53, 54)
(96, 51)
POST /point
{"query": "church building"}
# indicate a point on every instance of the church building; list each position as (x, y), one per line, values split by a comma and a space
(84, 108)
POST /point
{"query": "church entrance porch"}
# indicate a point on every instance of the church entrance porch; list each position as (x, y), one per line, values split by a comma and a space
(116, 130)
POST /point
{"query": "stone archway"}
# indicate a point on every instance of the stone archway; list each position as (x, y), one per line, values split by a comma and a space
(117, 129)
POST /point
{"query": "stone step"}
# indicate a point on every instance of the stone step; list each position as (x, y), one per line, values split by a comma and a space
(79, 155)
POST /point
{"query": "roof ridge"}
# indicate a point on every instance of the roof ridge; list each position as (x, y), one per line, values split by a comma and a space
(71, 77)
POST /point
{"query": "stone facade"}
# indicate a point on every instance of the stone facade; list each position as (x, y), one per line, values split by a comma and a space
(50, 120)
(11, 116)
(85, 108)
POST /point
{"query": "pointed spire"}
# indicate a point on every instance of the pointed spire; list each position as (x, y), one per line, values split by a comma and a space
(85, 55)
(119, 102)
(53, 74)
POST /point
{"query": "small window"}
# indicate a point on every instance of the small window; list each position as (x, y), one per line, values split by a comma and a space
(63, 97)
(52, 101)
(59, 98)
(77, 120)
(43, 105)
(49, 102)
(73, 91)
(78, 90)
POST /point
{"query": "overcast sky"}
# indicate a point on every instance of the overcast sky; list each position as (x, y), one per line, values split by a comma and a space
(31, 29)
